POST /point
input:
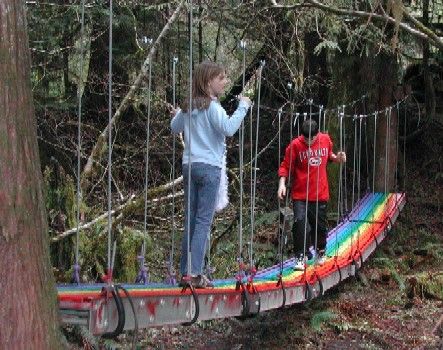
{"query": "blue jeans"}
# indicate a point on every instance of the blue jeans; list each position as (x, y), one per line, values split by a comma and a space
(205, 180)
(314, 219)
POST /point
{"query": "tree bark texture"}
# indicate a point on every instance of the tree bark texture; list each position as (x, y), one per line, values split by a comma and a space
(28, 309)
(386, 142)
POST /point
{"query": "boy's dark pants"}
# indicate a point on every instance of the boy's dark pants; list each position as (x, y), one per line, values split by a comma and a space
(298, 229)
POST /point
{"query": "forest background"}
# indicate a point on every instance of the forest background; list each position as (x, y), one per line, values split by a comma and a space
(366, 55)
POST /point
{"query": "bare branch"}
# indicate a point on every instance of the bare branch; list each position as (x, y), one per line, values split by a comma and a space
(422, 32)
(126, 207)
(100, 146)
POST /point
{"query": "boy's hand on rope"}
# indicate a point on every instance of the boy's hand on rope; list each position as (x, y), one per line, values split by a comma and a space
(341, 157)
(281, 193)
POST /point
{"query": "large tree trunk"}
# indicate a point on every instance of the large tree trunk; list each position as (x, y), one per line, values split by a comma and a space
(28, 311)
(386, 142)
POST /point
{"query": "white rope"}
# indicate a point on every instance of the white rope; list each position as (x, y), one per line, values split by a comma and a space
(174, 104)
(307, 191)
(324, 121)
(344, 201)
(289, 180)
(354, 160)
(404, 152)
(281, 225)
(148, 123)
(316, 199)
(190, 138)
(79, 143)
(340, 115)
(359, 160)
(396, 147)
(375, 146)
(241, 149)
(251, 245)
(386, 151)
(110, 144)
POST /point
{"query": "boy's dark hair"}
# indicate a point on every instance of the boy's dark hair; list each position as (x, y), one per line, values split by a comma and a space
(309, 128)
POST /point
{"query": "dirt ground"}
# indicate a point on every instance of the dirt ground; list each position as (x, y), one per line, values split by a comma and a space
(384, 309)
(373, 316)
(396, 304)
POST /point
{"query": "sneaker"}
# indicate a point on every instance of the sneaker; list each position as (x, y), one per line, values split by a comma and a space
(321, 258)
(299, 264)
(185, 280)
(201, 281)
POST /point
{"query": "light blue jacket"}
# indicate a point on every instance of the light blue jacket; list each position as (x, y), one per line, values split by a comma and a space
(209, 128)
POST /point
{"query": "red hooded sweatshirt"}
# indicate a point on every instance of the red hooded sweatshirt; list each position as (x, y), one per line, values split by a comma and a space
(319, 153)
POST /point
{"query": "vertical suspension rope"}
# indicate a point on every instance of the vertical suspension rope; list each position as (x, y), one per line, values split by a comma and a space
(386, 150)
(307, 185)
(366, 144)
(174, 104)
(289, 180)
(251, 178)
(76, 268)
(396, 148)
(359, 175)
(297, 120)
(324, 120)
(142, 276)
(320, 117)
(388, 160)
(359, 158)
(241, 150)
(354, 119)
(148, 123)
(282, 227)
(341, 116)
(404, 150)
(318, 180)
(375, 146)
(190, 108)
(344, 197)
(110, 144)
(367, 155)
(251, 249)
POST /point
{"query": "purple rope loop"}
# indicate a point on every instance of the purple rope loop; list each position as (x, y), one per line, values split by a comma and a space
(240, 276)
(171, 275)
(313, 252)
(143, 276)
(209, 271)
(76, 274)
(241, 271)
(250, 273)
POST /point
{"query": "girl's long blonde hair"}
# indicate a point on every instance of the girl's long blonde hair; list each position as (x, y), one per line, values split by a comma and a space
(202, 75)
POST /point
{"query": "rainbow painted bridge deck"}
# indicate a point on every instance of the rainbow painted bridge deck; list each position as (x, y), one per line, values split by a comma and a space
(349, 245)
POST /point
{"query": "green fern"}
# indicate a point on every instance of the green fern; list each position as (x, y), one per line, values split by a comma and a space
(327, 44)
(321, 317)
(87, 337)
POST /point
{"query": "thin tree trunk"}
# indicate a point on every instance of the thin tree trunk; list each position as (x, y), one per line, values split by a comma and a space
(28, 312)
